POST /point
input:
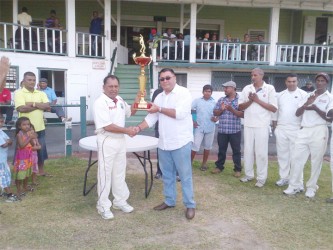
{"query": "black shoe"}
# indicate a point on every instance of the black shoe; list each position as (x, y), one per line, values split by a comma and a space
(10, 124)
(178, 178)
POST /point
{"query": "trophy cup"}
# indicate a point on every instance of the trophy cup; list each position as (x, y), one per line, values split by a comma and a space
(143, 61)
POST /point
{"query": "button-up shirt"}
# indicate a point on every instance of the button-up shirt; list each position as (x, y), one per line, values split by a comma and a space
(174, 132)
(204, 110)
(229, 123)
(255, 115)
(310, 117)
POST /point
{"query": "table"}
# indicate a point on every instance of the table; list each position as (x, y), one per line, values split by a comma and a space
(138, 143)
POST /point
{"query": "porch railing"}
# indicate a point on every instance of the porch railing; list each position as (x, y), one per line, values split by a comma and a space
(172, 50)
(90, 45)
(304, 54)
(16, 37)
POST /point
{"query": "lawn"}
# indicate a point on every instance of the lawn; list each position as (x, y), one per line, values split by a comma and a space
(229, 215)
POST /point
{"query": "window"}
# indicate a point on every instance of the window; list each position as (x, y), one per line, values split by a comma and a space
(12, 79)
(255, 33)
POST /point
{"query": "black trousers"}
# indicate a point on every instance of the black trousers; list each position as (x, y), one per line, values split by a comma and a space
(235, 142)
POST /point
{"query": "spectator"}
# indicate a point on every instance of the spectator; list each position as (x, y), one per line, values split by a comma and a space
(25, 20)
(258, 101)
(246, 48)
(204, 125)
(32, 103)
(168, 47)
(5, 95)
(96, 28)
(53, 22)
(51, 96)
(172, 108)
(312, 138)
(229, 128)
(110, 111)
(308, 87)
(286, 126)
(216, 47)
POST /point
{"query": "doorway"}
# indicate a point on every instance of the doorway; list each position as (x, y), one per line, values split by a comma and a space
(56, 81)
(321, 30)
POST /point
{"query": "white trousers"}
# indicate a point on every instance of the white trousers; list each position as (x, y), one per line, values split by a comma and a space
(111, 171)
(309, 141)
(285, 144)
(256, 144)
(331, 147)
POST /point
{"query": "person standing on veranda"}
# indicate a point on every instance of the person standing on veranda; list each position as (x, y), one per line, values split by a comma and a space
(110, 111)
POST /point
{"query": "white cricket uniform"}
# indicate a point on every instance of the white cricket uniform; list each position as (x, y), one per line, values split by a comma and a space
(311, 139)
(256, 130)
(111, 152)
(331, 147)
(287, 127)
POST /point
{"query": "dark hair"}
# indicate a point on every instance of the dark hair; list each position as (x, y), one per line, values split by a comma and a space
(292, 75)
(53, 12)
(207, 87)
(28, 73)
(113, 77)
(167, 70)
(19, 122)
(24, 9)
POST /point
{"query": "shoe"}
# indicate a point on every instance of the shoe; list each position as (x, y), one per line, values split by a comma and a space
(329, 200)
(203, 168)
(125, 208)
(282, 182)
(64, 119)
(162, 206)
(216, 171)
(107, 215)
(259, 184)
(178, 178)
(158, 176)
(310, 193)
(246, 179)
(12, 198)
(190, 213)
(291, 191)
(237, 174)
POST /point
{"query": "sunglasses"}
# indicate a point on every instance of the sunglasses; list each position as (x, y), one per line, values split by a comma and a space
(165, 78)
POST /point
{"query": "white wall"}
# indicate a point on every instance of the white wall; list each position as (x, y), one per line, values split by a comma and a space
(84, 76)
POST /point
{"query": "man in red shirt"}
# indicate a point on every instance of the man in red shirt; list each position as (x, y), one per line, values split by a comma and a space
(5, 95)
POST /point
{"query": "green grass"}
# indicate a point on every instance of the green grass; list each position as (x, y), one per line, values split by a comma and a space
(229, 214)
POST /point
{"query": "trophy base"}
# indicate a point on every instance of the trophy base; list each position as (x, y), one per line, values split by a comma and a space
(142, 106)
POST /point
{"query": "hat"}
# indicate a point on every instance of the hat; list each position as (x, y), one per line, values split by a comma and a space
(326, 76)
(229, 84)
(43, 80)
(153, 31)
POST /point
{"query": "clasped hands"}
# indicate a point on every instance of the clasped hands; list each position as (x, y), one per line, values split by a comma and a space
(133, 131)
(308, 105)
(253, 97)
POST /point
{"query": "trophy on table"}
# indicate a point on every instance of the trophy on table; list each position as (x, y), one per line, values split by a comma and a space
(143, 61)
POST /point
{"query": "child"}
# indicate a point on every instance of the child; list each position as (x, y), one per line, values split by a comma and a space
(34, 158)
(22, 164)
(5, 176)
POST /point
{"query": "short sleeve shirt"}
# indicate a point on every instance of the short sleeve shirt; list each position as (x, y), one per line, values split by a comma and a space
(50, 94)
(204, 110)
(255, 115)
(22, 96)
(107, 112)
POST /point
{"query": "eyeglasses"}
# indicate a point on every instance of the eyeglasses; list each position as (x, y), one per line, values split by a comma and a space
(165, 78)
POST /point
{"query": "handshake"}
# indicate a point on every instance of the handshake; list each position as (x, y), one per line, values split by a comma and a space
(133, 131)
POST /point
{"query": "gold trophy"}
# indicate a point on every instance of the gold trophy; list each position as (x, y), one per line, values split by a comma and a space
(143, 61)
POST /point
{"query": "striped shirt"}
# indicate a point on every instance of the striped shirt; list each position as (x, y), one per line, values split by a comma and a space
(228, 122)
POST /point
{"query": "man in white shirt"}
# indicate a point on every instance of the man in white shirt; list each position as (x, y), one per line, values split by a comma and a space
(286, 124)
(110, 111)
(168, 46)
(258, 101)
(172, 109)
(24, 18)
(311, 138)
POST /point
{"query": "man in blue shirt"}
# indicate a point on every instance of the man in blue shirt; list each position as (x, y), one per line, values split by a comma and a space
(53, 100)
(229, 128)
(204, 124)
(95, 28)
